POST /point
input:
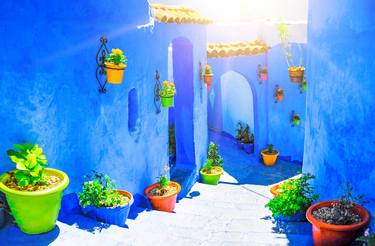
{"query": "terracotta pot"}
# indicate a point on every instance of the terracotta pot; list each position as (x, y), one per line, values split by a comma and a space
(115, 73)
(263, 76)
(336, 235)
(163, 203)
(274, 189)
(296, 76)
(280, 97)
(269, 159)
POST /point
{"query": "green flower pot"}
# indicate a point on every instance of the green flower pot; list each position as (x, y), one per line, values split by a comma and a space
(212, 179)
(35, 212)
(167, 102)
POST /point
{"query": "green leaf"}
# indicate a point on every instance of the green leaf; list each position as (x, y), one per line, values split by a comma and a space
(21, 165)
(22, 179)
(22, 147)
(35, 172)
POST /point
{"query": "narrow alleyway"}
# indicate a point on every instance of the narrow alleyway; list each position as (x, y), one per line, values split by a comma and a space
(231, 213)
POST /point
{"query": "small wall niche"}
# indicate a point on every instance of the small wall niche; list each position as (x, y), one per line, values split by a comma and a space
(132, 110)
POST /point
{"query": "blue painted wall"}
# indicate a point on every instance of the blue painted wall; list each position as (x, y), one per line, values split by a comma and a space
(271, 120)
(50, 92)
(339, 141)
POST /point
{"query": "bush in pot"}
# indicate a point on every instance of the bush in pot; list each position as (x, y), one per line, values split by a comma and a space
(208, 76)
(294, 198)
(101, 200)
(213, 168)
(239, 134)
(269, 155)
(33, 192)
(338, 222)
(248, 140)
(163, 194)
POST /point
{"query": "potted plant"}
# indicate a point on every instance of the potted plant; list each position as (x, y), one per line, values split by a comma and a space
(248, 140)
(213, 167)
(279, 94)
(338, 222)
(296, 73)
(262, 73)
(294, 198)
(100, 200)
(207, 76)
(115, 64)
(295, 119)
(33, 192)
(163, 194)
(167, 93)
(303, 85)
(239, 135)
(269, 155)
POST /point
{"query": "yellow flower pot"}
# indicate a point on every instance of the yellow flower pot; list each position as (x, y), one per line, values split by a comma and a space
(115, 73)
(269, 159)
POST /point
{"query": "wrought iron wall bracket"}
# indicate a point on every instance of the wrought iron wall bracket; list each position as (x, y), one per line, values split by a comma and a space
(157, 89)
(100, 70)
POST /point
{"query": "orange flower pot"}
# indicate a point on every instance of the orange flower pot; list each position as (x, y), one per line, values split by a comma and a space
(274, 190)
(336, 235)
(208, 80)
(163, 203)
(279, 97)
(296, 75)
(115, 73)
(269, 159)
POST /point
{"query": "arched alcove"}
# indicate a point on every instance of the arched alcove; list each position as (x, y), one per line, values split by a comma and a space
(237, 102)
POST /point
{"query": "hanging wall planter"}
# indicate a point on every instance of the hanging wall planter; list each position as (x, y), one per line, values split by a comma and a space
(167, 93)
(115, 64)
(303, 86)
(262, 74)
(279, 94)
(296, 74)
(33, 192)
(296, 119)
(208, 76)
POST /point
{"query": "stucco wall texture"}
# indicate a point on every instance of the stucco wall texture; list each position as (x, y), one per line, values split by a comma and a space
(50, 93)
(339, 139)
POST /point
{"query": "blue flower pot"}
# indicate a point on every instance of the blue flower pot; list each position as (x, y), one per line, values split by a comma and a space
(297, 217)
(239, 144)
(249, 148)
(2, 217)
(114, 216)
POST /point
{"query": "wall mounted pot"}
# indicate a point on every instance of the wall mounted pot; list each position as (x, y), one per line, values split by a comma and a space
(35, 212)
(280, 97)
(264, 76)
(167, 101)
(275, 190)
(115, 73)
(163, 203)
(211, 178)
(208, 80)
(336, 235)
(296, 74)
(115, 216)
(269, 159)
(249, 148)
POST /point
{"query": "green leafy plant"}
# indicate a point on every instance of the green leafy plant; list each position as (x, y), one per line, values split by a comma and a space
(270, 150)
(296, 195)
(207, 70)
(239, 131)
(208, 166)
(279, 91)
(163, 179)
(117, 57)
(168, 89)
(100, 191)
(213, 155)
(30, 162)
(367, 238)
(341, 212)
(283, 31)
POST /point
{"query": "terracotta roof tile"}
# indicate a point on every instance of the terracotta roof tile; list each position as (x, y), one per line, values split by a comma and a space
(218, 50)
(178, 15)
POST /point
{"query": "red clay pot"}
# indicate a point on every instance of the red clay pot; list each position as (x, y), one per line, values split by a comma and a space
(274, 189)
(336, 235)
(208, 80)
(163, 203)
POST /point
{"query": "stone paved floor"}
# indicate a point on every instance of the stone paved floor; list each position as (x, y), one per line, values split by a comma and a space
(231, 213)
